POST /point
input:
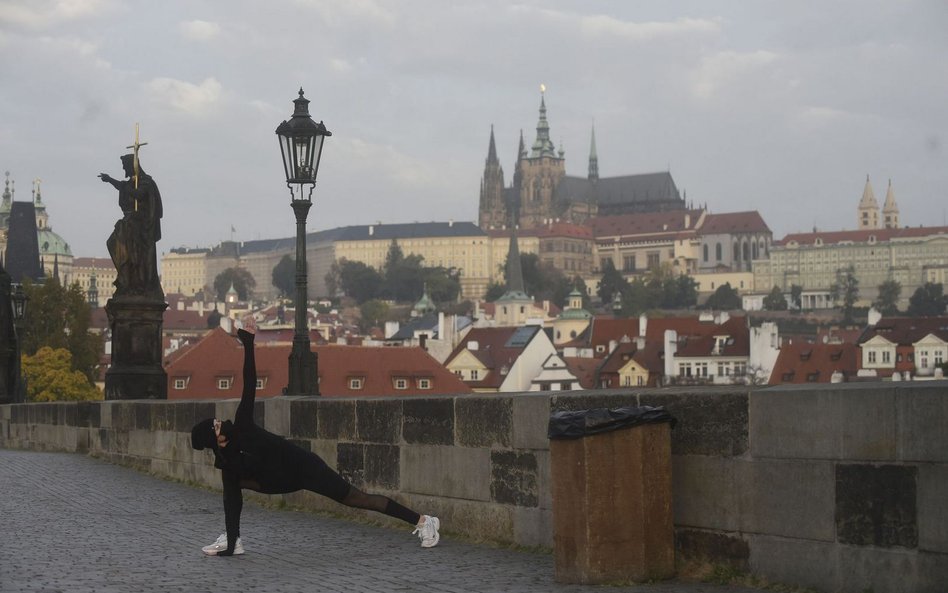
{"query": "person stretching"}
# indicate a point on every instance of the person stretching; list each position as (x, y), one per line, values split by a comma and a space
(253, 458)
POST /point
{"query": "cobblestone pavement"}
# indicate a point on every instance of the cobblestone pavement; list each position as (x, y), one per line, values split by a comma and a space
(75, 524)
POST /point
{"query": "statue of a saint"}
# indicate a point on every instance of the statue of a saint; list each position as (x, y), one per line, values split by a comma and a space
(132, 243)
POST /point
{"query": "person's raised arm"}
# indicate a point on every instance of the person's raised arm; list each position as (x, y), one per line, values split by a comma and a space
(244, 415)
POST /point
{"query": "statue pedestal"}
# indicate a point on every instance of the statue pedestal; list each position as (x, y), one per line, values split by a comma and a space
(136, 371)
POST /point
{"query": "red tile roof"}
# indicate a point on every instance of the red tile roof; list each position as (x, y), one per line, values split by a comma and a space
(219, 356)
(802, 362)
(862, 236)
(650, 223)
(605, 329)
(905, 331)
(734, 222)
(584, 369)
(651, 358)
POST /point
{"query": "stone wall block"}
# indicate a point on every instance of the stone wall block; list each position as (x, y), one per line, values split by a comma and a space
(88, 414)
(922, 415)
(335, 419)
(531, 418)
(304, 413)
(71, 414)
(350, 463)
(707, 491)
(428, 421)
(840, 421)
(456, 472)
(716, 546)
(932, 510)
(533, 527)
(514, 477)
(277, 417)
(484, 421)
(789, 499)
(382, 467)
(379, 420)
(795, 562)
(710, 422)
(588, 400)
(876, 505)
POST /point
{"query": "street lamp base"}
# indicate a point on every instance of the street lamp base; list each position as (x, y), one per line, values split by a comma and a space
(303, 378)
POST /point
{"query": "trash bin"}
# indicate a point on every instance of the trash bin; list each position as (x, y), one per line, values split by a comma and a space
(612, 505)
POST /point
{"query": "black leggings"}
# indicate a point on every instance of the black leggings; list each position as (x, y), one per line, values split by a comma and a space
(316, 476)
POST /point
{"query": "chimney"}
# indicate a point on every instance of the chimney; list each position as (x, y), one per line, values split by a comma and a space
(371, 230)
(612, 346)
(473, 345)
(423, 342)
(671, 347)
(640, 343)
(643, 325)
(687, 220)
(874, 316)
(441, 335)
(450, 223)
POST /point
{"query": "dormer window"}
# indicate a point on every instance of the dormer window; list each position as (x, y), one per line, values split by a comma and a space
(356, 383)
(224, 383)
(424, 383)
(180, 383)
(401, 383)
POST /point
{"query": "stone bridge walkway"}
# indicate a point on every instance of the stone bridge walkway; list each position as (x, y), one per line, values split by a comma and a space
(75, 524)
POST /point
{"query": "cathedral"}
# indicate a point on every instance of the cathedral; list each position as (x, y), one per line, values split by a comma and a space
(541, 192)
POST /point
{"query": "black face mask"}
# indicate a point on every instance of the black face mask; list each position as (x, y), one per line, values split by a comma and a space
(202, 435)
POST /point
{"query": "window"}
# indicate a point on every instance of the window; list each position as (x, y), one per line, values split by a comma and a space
(939, 358)
(886, 357)
(701, 369)
(474, 374)
(223, 383)
(705, 252)
(600, 348)
(180, 383)
(401, 383)
(640, 380)
(628, 263)
(424, 383)
(717, 252)
(626, 381)
(872, 357)
(261, 382)
(355, 383)
(653, 259)
(567, 386)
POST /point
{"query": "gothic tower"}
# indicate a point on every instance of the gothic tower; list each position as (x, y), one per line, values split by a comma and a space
(890, 210)
(868, 210)
(593, 158)
(492, 211)
(540, 173)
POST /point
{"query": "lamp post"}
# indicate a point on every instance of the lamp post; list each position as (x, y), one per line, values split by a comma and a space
(19, 313)
(301, 146)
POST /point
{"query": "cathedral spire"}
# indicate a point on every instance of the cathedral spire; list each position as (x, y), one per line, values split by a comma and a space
(543, 146)
(8, 197)
(492, 148)
(593, 157)
(522, 149)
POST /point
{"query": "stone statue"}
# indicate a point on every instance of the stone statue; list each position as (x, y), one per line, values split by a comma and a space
(132, 243)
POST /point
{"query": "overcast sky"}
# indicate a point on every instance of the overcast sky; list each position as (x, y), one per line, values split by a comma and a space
(778, 106)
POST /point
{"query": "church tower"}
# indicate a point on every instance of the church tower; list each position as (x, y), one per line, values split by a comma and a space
(890, 210)
(540, 173)
(493, 212)
(868, 209)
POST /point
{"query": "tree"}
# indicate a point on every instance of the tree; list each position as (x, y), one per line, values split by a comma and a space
(358, 280)
(724, 298)
(50, 376)
(403, 277)
(495, 290)
(444, 285)
(846, 291)
(59, 317)
(612, 282)
(242, 281)
(332, 280)
(796, 296)
(775, 301)
(887, 300)
(373, 312)
(928, 300)
(284, 276)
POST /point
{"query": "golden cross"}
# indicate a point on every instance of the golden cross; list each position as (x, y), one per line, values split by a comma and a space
(135, 148)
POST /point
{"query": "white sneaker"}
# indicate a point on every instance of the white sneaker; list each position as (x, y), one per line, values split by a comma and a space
(221, 544)
(427, 532)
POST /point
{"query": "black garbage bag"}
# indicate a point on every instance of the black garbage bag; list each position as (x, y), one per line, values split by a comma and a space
(579, 423)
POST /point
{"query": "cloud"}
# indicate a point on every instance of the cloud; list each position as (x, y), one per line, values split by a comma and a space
(598, 25)
(199, 30)
(185, 96)
(43, 13)
(725, 69)
(400, 168)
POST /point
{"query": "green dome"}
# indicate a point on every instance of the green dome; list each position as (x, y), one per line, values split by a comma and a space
(52, 244)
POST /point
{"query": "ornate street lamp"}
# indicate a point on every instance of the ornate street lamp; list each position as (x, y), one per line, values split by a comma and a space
(20, 300)
(301, 146)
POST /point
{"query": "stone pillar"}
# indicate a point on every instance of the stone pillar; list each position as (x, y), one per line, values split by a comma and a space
(136, 371)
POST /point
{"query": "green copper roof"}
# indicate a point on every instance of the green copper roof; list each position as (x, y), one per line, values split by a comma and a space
(52, 244)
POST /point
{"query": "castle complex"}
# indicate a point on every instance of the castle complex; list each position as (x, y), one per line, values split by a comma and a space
(542, 193)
